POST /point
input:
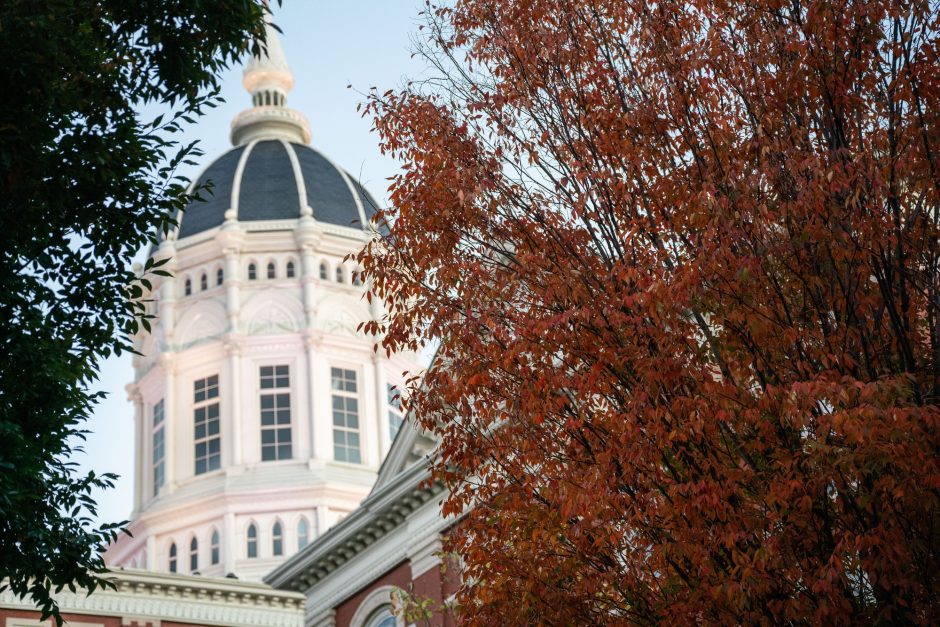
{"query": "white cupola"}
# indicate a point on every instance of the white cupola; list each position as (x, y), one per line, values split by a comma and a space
(268, 79)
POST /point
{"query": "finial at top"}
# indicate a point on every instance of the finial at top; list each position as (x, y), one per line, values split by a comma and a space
(268, 79)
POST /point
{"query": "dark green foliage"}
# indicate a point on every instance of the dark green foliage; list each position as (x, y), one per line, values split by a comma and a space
(84, 184)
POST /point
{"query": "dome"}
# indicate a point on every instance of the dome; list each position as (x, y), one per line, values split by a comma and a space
(274, 179)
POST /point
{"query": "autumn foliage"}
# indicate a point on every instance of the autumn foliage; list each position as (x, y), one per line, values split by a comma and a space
(681, 263)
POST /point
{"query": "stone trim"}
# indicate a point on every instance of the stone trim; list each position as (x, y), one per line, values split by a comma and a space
(142, 595)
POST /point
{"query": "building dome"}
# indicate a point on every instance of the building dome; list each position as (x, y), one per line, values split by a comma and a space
(276, 179)
(262, 411)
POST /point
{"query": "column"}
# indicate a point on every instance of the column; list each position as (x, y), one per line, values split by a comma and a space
(308, 264)
(170, 420)
(229, 543)
(133, 395)
(152, 558)
(232, 420)
(381, 403)
(321, 522)
(232, 286)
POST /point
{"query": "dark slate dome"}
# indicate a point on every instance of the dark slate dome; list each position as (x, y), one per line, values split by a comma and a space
(267, 188)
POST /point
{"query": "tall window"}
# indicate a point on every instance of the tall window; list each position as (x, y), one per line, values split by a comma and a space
(159, 447)
(345, 416)
(173, 558)
(324, 272)
(206, 424)
(303, 533)
(203, 282)
(252, 272)
(339, 274)
(214, 547)
(252, 541)
(394, 411)
(272, 272)
(188, 287)
(219, 276)
(193, 555)
(277, 539)
(275, 413)
(290, 269)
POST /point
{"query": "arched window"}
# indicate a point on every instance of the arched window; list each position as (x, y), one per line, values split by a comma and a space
(339, 274)
(188, 287)
(203, 282)
(272, 271)
(324, 272)
(375, 610)
(214, 548)
(303, 533)
(252, 272)
(357, 277)
(382, 618)
(277, 540)
(252, 541)
(290, 269)
(193, 555)
(219, 276)
(173, 558)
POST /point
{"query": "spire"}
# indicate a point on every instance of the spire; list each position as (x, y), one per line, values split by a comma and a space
(268, 79)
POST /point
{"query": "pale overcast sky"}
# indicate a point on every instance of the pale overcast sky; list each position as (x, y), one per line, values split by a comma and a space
(329, 45)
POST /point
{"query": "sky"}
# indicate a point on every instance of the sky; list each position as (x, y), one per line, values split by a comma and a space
(329, 46)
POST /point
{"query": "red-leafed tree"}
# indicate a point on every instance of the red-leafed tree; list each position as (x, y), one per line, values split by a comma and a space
(681, 262)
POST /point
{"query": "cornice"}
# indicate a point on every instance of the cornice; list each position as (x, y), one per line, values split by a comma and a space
(183, 598)
(380, 513)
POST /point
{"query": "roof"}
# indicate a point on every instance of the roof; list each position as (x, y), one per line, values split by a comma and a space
(403, 486)
(274, 179)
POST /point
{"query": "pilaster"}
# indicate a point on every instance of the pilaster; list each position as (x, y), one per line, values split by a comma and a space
(232, 427)
(170, 421)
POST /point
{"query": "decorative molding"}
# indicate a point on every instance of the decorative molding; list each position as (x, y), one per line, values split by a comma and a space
(347, 578)
(326, 618)
(183, 598)
(233, 344)
(424, 555)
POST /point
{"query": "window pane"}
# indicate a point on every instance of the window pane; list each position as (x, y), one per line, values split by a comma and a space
(345, 415)
(206, 425)
(275, 413)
